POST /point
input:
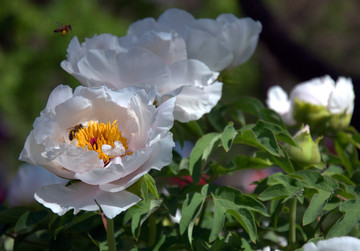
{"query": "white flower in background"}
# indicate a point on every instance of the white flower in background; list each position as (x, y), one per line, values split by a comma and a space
(150, 55)
(27, 180)
(223, 43)
(278, 100)
(343, 243)
(323, 94)
(105, 139)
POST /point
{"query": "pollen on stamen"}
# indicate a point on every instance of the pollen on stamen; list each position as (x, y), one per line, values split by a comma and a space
(95, 135)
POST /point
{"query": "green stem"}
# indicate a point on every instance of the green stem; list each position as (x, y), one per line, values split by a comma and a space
(152, 229)
(292, 231)
(110, 234)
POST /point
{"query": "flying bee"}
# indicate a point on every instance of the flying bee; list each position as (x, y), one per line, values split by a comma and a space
(74, 130)
(63, 28)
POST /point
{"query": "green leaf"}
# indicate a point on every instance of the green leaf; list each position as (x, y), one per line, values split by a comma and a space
(228, 136)
(219, 219)
(240, 206)
(280, 133)
(248, 162)
(347, 152)
(351, 217)
(150, 182)
(190, 210)
(315, 207)
(200, 153)
(283, 160)
(29, 220)
(246, 220)
(216, 117)
(264, 139)
(139, 213)
(250, 105)
(232, 198)
(11, 215)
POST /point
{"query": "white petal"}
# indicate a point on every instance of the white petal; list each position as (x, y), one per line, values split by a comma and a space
(80, 196)
(33, 154)
(193, 102)
(59, 95)
(206, 48)
(335, 244)
(277, 99)
(315, 91)
(342, 98)
(240, 35)
(177, 19)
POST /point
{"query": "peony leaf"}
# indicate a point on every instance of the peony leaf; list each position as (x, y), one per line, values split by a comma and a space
(351, 217)
(240, 206)
(247, 221)
(190, 209)
(263, 139)
(317, 203)
(228, 136)
(200, 153)
(150, 182)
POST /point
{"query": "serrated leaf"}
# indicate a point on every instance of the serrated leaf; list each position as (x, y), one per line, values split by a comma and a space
(280, 133)
(347, 152)
(351, 217)
(139, 213)
(232, 198)
(283, 160)
(190, 209)
(232, 201)
(218, 222)
(246, 220)
(200, 153)
(315, 207)
(264, 140)
(228, 136)
(248, 162)
(278, 191)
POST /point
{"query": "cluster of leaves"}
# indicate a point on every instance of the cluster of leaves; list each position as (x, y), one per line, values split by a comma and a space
(319, 201)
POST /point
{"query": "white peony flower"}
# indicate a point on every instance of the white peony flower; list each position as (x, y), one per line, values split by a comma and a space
(150, 55)
(223, 43)
(347, 243)
(278, 100)
(27, 180)
(105, 139)
(336, 97)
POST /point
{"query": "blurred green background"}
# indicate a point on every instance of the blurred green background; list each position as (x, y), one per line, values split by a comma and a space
(30, 52)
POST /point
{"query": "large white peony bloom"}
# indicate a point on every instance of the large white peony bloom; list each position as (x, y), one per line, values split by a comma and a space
(105, 139)
(150, 55)
(223, 43)
(343, 243)
(336, 98)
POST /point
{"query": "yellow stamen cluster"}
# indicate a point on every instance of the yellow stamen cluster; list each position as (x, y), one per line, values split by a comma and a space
(96, 134)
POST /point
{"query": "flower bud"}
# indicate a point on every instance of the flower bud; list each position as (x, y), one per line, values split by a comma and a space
(307, 153)
(322, 103)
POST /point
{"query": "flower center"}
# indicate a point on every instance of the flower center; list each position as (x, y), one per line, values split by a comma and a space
(106, 139)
